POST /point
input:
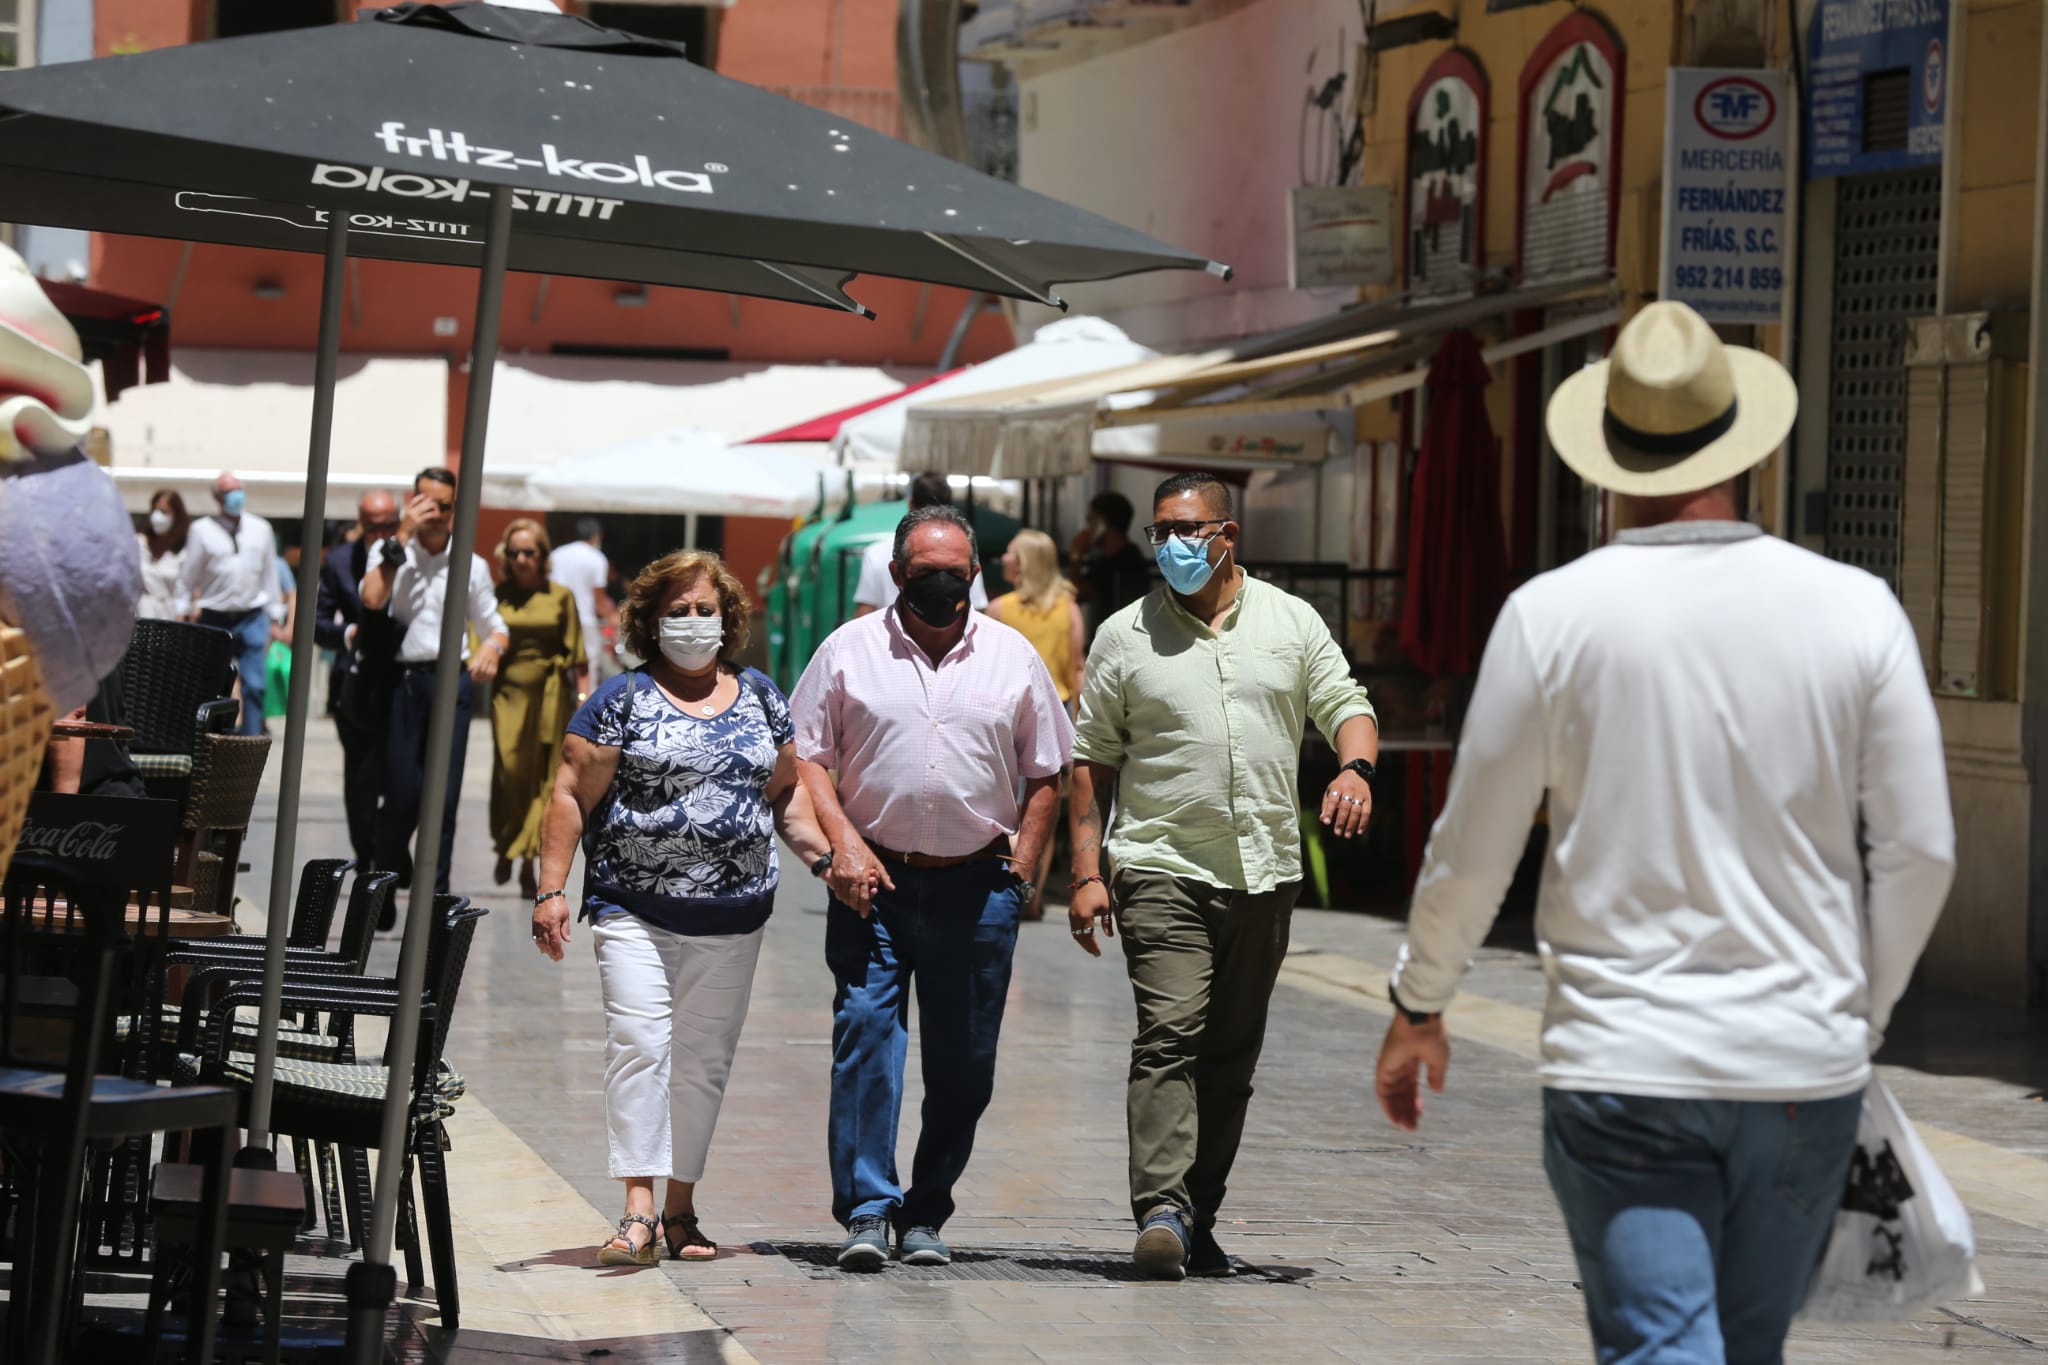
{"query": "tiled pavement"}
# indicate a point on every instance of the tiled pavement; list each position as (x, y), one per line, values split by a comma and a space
(1369, 1245)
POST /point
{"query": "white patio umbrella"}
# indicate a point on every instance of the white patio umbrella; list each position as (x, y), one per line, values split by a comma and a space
(689, 472)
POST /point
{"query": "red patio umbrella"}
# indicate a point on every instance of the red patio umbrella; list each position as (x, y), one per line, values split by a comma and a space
(826, 427)
(1457, 562)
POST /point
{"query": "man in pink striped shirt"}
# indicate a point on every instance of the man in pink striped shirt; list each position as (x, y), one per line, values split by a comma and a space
(933, 717)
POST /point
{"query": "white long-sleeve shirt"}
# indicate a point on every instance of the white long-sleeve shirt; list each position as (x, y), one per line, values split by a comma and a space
(419, 587)
(231, 567)
(1711, 711)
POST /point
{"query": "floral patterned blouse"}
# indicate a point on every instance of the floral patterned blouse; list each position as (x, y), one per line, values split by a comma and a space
(685, 838)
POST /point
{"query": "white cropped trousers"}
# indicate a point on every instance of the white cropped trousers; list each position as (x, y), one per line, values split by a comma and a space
(673, 1008)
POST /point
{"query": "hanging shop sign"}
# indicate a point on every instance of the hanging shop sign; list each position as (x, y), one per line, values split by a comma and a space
(1340, 235)
(1570, 154)
(1877, 86)
(1725, 177)
(1446, 176)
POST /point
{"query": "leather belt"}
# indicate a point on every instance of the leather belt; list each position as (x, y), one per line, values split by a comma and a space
(998, 847)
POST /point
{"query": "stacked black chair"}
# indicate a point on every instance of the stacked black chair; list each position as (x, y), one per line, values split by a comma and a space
(341, 1102)
(69, 959)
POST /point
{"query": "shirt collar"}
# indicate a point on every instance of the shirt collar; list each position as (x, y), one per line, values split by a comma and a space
(898, 632)
(1244, 589)
(1691, 533)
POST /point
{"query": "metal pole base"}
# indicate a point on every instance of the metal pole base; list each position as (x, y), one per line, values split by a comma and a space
(371, 1292)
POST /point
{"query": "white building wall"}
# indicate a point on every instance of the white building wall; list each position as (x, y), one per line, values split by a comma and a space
(1196, 137)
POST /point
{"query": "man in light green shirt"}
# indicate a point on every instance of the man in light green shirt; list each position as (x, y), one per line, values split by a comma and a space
(1191, 721)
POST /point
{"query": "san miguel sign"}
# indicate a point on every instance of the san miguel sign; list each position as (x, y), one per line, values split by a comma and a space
(1447, 176)
(1570, 155)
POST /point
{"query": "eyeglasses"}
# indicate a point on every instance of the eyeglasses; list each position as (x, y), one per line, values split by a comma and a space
(445, 507)
(381, 528)
(522, 554)
(1159, 532)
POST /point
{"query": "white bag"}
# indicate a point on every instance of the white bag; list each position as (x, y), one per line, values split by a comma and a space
(1902, 1241)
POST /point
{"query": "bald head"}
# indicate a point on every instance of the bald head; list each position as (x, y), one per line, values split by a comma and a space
(225, 483)
(377, 505)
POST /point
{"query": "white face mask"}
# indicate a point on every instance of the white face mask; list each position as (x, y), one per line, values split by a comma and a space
(691, 642)
(160, 521)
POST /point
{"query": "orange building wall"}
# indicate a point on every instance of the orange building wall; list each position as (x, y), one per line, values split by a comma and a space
(393, 306)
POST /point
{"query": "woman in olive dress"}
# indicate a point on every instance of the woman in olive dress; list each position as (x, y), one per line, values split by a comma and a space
(538, 687)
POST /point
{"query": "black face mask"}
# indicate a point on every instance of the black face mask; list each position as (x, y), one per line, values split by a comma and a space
(936, 598)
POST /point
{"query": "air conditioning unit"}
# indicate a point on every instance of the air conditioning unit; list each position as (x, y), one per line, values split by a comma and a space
(1962, 495)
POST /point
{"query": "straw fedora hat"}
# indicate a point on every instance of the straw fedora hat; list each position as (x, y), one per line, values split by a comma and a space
(1672, 410)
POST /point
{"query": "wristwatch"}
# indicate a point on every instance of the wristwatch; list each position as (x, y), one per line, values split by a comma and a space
(1361, 767)
(822, 865)
(1415, 1017)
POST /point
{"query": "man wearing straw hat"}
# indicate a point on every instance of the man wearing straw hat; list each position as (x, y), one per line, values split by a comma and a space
(1712, 713)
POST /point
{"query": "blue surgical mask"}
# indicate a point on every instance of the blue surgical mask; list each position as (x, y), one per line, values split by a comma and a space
(232, 501)
(1184, 564)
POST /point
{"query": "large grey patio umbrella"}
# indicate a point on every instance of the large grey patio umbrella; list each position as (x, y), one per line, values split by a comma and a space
(504, 139)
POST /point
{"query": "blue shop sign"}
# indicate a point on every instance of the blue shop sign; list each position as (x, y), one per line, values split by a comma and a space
(1898, 42)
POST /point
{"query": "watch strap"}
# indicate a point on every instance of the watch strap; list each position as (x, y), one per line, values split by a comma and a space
(1416, 1017)
(1363, 767)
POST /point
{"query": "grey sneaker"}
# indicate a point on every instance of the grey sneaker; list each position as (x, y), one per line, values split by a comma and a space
(921, 1246)
(1162, 1250)
(867, 1244)
(1205, 1259)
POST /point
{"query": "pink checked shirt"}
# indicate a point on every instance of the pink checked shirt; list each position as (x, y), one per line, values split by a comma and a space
(930, 759)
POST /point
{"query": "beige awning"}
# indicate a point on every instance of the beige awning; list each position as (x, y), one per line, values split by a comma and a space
(1259, 402)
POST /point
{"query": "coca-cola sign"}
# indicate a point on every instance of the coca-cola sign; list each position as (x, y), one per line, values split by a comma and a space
(86, 841)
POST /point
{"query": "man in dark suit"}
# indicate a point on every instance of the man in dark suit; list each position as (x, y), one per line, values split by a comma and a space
(341, 614)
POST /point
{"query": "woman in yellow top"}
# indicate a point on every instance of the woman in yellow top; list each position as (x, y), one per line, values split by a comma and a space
(544, 674)
(1044, 611)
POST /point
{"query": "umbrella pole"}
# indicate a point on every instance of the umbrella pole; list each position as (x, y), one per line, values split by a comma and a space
(371, 1291)
(305, 651)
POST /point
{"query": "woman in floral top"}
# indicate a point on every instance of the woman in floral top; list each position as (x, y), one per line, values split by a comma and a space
(675, 778)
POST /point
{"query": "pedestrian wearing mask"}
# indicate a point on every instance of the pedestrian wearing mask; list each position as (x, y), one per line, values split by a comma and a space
(1191, 723)
(339, 627)
(933, 718)
(675, 778)
(162, 547)
(231, 580)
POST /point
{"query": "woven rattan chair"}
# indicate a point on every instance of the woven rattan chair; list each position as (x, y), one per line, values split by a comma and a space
(342, 1102)
(176, 681)
(226, 771)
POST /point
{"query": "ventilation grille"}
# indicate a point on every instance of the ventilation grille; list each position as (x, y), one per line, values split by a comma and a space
(1887, 230)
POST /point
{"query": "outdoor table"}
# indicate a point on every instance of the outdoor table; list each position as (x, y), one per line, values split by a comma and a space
(89, 729)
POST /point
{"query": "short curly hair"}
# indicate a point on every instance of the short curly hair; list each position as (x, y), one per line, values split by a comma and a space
(641, 617)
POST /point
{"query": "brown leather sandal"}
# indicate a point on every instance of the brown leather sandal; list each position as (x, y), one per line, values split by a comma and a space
(611, 1253)
(692, 1236)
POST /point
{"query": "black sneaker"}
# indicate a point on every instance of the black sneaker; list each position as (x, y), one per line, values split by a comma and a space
(1162, 1250)
(922, 1246)
(866, 1246)
(1205, 1258)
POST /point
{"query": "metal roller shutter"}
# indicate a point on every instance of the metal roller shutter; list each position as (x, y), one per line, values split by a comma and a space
(1887, 237)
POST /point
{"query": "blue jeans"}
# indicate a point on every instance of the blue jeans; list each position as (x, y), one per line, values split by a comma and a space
(948, 933)
(251, 630)
(1697, 1223)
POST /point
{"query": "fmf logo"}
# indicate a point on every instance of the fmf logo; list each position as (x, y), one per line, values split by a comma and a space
(1930, 77)
(446, 146)
(1735, 108)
